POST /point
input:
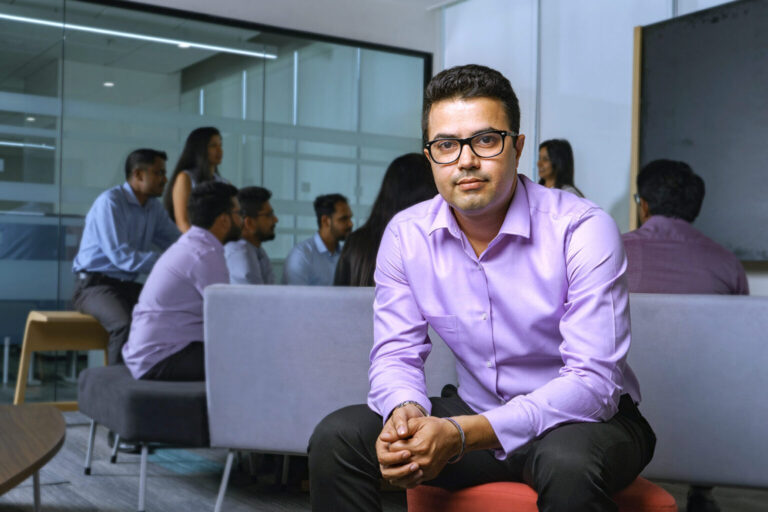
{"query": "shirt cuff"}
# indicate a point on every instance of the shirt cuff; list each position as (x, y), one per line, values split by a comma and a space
(393, 400)
(512, 426)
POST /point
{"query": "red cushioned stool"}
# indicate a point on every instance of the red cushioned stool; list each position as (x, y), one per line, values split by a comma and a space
(640, 496)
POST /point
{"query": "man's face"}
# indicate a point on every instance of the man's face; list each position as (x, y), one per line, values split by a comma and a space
(151, 179)
(236, 222)
(474, 185)
(264, 223)
(341, 221)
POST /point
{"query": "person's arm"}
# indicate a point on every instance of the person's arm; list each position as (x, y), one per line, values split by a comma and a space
(296, 269)
(182, 189)
(166, 232)
(211, 269)
(596, 338)
(112, 228)
(241, 268)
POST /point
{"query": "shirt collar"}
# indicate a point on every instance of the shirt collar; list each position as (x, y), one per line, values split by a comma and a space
(319, 244)
(130, 195)
(516, 222)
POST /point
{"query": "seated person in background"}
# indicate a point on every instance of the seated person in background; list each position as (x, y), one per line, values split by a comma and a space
(556, 165)
(668, 255)
(313, 261)
(166, 340)
(408, 181)
(125, 232)
(527, 289)
(247, 261)
(199, 162)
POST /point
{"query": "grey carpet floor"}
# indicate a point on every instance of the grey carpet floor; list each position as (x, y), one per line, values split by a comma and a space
(188, 480)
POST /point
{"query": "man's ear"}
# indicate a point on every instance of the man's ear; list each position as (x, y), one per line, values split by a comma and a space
(325, 220)
(519, 144)
(645, 210)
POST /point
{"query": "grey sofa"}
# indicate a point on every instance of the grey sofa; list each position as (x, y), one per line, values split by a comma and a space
(279, 358)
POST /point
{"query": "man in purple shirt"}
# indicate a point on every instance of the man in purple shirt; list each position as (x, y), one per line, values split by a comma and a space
(166, 339)
(668, 255)
(526, 286)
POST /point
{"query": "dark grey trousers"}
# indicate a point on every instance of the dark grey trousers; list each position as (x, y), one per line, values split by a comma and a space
(111, 302)
(574, 467)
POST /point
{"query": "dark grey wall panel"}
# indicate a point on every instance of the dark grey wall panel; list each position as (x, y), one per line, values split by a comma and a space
(704, 100)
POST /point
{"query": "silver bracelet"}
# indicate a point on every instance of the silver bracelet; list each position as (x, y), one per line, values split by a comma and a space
(457, 458)
(414, 402)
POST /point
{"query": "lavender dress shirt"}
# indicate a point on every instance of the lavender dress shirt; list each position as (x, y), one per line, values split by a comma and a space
(667, 255)
(169, 314)
(539, 322)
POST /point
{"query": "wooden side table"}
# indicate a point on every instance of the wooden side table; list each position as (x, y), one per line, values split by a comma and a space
(31, 436)
(57, 330)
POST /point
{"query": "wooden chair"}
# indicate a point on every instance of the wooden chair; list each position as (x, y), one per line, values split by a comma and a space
(57, 330)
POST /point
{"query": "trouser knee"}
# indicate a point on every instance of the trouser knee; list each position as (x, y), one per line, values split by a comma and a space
(342, 436)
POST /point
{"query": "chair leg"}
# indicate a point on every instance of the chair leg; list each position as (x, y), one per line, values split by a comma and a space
(36, 489)
(115, 446)
(286, 467)
(143, 475)
(89, 449)
(224, 480)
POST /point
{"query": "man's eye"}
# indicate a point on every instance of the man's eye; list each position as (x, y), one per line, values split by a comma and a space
(446, 145)
(486, 140)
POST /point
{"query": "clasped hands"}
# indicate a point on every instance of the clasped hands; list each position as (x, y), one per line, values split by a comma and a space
(413, 448)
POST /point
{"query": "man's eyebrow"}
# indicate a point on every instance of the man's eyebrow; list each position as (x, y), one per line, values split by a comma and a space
(453, 136)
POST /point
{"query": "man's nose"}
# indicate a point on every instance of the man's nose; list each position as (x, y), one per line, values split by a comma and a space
(467, 158)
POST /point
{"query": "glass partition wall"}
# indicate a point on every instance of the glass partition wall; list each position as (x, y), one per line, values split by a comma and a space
(82, 83)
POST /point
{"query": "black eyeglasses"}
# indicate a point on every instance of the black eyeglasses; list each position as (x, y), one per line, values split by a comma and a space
(484, 144)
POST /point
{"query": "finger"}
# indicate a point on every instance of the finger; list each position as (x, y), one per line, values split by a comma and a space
(409, 482)
(388, 432)
(399, 472)
(388, 458)
(400, 422)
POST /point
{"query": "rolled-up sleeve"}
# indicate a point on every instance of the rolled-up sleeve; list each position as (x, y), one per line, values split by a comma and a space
(596, 337)
(401, 345)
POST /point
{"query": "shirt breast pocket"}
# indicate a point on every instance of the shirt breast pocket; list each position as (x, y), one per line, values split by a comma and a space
(446, 326)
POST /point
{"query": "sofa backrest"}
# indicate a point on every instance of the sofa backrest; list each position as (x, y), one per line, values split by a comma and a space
(701, 362)
(280, 358)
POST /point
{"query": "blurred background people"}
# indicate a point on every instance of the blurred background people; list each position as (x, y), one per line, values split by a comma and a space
(198, 163)
(313, 261)
(247, 260)
(408, 181)
(556, 165)
(125, 232)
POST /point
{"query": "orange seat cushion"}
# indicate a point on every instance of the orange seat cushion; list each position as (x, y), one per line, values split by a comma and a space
(640, 496)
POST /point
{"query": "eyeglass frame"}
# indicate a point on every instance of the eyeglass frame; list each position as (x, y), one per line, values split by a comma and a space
(468, 142)
(637, 198)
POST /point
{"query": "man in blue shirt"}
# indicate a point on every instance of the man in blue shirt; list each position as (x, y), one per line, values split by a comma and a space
(125, 232)
(247, 260)
(313, 261)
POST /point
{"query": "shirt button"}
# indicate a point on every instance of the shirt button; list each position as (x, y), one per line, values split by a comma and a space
(485, 316)
(489, 364)
(479, 267)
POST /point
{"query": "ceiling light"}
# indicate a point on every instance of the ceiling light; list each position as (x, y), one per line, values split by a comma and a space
(31, 119)
(109, 84)
(10, 144)
(140, 37)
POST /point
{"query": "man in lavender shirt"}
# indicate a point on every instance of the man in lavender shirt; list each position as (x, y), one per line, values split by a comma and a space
(166, 339)
(668, 255)
(526, 286)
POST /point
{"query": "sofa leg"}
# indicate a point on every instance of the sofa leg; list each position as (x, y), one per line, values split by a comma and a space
(224, 480)
(286, 468)
(89, 449)
(143, 475)
(115, 446)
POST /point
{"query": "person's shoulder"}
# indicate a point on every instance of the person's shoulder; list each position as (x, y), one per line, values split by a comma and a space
(419, 216)
(236, 247)
(558, 204)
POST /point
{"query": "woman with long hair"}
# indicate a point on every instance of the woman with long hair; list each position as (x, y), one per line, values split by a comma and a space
(556, 165)
(408, 181)
(198, 163)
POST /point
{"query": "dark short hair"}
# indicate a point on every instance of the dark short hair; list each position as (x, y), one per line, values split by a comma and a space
(252, 199)
(471, 81)
(209, 200)
(141, 158)
(671, 189)
(326, 205)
